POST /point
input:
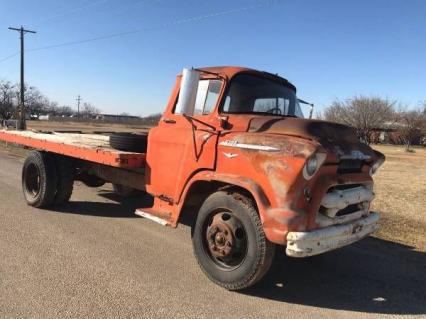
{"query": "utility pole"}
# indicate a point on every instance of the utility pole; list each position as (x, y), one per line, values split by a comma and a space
(22, 125)
(78, 99)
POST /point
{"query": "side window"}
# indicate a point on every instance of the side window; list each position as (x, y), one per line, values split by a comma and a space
(207, 96)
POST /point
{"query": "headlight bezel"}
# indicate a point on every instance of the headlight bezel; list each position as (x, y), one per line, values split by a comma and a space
(312, 165)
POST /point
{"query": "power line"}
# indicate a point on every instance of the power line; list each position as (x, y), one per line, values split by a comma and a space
(9, 56)
(164, 25)
(124, 33)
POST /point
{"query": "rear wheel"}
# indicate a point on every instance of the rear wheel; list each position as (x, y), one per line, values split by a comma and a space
(229, 242)
(65, 171)
(39, 179)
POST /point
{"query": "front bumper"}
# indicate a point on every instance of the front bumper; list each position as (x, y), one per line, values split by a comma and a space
(304, 244)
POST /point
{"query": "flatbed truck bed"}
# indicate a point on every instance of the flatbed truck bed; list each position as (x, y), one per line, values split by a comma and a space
(90, 147)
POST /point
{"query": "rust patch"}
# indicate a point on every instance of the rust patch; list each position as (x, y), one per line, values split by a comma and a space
(288, 145)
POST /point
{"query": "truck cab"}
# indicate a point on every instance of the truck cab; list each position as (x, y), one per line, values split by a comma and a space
(241, 132)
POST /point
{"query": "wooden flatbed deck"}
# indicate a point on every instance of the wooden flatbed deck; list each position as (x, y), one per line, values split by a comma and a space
(90, 147)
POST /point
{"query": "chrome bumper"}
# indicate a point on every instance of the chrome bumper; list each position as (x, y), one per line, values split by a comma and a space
(304, 244)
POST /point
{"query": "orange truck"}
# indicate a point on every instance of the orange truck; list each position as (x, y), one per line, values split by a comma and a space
(234, 153)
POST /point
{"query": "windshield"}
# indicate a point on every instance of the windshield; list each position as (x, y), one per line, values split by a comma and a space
(253, 94)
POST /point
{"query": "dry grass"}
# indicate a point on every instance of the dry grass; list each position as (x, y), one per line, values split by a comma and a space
(400, 187)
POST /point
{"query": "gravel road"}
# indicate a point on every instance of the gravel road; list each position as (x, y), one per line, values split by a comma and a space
(95, 259)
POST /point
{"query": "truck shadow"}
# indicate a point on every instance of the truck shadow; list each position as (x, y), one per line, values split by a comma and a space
(120, 208)
(374, 275)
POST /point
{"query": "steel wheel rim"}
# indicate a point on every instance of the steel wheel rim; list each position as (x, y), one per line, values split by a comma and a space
(32, 180)
(225, 240)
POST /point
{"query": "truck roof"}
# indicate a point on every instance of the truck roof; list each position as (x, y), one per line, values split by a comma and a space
(231, 71)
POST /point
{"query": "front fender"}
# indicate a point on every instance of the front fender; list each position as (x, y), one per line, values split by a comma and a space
(276, 222)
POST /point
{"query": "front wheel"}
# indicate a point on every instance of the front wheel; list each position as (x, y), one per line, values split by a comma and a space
(229, 242)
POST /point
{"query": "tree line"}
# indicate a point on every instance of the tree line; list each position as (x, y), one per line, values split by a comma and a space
(371, 115)
(36, 103)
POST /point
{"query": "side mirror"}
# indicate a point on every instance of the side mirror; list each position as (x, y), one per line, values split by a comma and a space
(188, 92)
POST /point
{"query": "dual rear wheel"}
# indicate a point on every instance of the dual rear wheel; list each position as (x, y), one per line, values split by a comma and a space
(47, 179)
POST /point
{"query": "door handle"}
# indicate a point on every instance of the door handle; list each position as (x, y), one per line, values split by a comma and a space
(167, 120)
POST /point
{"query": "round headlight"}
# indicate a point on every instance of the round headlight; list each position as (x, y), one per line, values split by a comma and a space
(312, 165)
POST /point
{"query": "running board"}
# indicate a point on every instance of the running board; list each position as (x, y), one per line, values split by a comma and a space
(154, 218)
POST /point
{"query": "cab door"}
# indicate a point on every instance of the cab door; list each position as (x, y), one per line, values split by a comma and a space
(181, 145)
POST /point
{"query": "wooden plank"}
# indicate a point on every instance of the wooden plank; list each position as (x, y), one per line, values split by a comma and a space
(89, 147)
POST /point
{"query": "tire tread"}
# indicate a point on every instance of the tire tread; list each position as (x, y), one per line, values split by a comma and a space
(65, 185)
(264, 246)
(47, 167)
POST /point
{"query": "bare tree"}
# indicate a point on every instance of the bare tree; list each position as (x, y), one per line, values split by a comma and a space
(7, 96)
(89, 110)
(412, 126)
(36, 102)
(64, 111)
(365, 114)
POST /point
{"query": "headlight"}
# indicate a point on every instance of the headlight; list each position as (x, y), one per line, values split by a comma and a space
(376, 166)
(312, 165)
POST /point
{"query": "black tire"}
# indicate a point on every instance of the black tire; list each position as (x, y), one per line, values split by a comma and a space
(249, 262)
(65, 171)
(39, 179)
(129, 142)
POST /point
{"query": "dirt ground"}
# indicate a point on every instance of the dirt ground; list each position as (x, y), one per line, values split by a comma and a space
(400, 184)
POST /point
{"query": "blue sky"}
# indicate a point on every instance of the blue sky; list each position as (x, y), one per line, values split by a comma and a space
(328, 49)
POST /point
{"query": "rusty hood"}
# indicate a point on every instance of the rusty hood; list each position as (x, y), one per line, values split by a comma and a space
(337, 138)
(311, 129)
